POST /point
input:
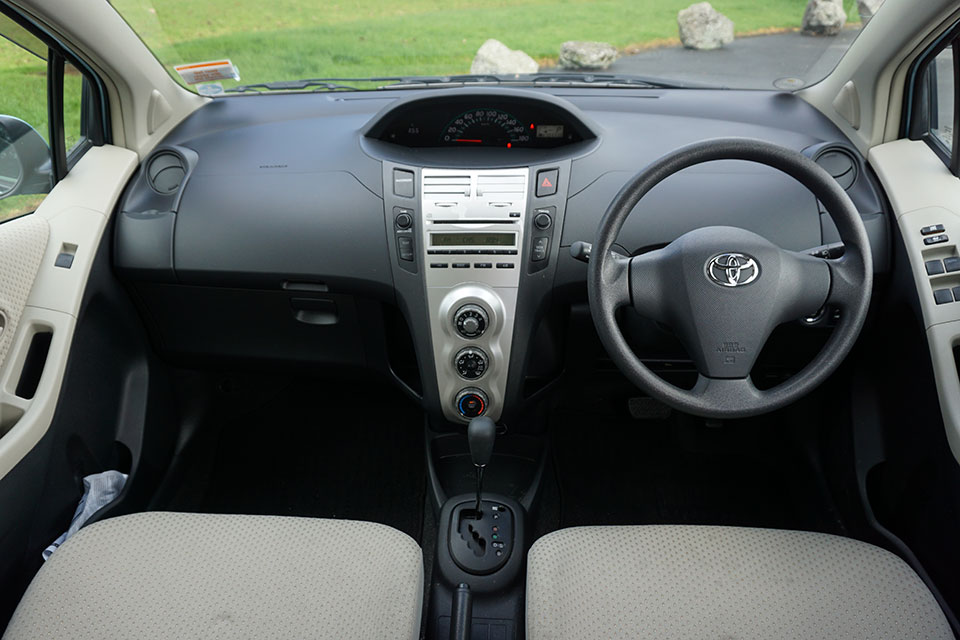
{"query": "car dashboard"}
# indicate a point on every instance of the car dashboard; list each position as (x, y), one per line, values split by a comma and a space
(425, 234)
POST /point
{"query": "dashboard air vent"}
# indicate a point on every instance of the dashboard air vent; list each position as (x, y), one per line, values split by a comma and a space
(165, 172)
(839, 164)
(496, 185)
(446, 185)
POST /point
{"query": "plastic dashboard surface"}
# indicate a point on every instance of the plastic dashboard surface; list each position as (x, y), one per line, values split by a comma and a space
(287, 186)
(290, 197)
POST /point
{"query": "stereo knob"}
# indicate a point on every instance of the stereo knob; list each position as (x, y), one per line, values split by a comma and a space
(471, 321)
(471, 402)
(470, 363)
(404, 220)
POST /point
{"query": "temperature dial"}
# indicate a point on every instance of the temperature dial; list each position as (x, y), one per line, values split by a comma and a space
(470, 363)
(471, 321)
(471, 402)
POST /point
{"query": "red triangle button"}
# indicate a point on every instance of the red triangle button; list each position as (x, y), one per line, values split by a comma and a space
(546, 184)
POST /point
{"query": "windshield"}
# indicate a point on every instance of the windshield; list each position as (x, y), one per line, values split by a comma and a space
(214, 46)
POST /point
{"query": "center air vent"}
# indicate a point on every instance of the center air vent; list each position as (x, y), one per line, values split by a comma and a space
(839, 164)
(446, 185)
(165, 172)
(497, 184)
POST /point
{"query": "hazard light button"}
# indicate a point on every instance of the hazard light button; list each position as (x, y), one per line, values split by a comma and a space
(547, 182)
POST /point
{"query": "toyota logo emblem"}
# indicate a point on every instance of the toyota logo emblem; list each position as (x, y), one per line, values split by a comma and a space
(732, 269)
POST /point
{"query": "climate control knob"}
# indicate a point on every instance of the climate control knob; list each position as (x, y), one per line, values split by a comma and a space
(471, 402)
(470, 363)
(471, 321)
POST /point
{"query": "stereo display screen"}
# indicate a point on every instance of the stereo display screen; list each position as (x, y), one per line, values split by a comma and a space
(472, 239)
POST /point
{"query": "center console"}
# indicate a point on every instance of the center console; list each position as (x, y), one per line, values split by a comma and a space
(471, 239)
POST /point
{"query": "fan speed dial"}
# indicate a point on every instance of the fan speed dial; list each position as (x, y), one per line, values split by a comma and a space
(471, 321)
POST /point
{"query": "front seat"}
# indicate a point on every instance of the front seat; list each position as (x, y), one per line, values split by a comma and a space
(722, 582)
(181, 575)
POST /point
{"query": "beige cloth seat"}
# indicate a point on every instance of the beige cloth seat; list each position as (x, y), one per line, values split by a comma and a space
(722, 582)
(184, 576)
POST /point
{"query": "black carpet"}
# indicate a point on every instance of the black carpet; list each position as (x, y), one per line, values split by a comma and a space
(313, 450)
(617, 470)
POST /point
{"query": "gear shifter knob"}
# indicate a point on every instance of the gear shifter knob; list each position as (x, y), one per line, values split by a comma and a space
(481, 432)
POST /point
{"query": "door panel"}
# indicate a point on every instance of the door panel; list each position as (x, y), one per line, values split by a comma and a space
(43, 295)
(923, 192)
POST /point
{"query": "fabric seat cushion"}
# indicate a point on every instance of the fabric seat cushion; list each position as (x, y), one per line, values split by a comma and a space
(722, 582)
(181, 575)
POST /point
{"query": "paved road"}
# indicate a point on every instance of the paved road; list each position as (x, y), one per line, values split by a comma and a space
(754, 62)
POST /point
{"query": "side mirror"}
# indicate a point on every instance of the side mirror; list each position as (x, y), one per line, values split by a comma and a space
(25, 161)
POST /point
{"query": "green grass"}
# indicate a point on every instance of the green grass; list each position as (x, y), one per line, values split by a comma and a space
(289, 39)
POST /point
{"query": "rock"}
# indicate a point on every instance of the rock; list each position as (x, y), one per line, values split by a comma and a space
(576, 54)
(494, 57)
(824, 18)
(867, 9)
(703, 27)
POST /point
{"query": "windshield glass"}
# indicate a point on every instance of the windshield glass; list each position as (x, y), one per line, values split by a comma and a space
(755, 44)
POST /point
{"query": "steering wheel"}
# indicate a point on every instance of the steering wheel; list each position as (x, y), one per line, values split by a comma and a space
(723, 290)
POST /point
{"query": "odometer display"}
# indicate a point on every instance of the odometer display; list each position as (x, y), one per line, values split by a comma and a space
(485, 127)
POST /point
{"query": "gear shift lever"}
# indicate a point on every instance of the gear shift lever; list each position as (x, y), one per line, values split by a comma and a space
(481, 432)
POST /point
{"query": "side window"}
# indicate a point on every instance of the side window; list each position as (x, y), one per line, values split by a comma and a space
(26, 167)
(49, 116)
(74, 87)
(941, 86)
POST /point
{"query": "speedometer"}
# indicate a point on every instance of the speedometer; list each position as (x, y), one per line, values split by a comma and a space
(485, 127)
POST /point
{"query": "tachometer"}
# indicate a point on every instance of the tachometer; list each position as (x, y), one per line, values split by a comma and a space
(485, 127)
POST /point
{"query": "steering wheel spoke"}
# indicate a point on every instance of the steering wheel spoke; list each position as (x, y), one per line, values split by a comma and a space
(727, 393)
(846, 280)
(647, 279)
(616, 281)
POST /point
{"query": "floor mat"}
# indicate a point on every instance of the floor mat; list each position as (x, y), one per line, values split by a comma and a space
(314, 450)
(621, 471)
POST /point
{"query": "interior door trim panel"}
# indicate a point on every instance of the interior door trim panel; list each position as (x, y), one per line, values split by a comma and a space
(924, 194)
(73, 218)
